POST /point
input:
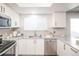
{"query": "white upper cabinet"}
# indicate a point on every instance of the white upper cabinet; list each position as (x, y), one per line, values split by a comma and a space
(2, 8)
(6, 10)
(59, 19)
(39, 46)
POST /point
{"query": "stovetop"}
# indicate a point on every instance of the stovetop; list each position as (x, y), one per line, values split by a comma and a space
(6, 44)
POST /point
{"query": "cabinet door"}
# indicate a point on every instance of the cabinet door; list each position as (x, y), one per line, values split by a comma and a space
(59, 19)
(21, 46)
(67, 51)
(0, 7)
(63, 49)
(60, 48)
(39, 47)
(26, 47)
(30, 48)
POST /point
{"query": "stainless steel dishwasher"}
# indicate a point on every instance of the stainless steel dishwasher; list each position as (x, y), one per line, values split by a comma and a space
(50, 47)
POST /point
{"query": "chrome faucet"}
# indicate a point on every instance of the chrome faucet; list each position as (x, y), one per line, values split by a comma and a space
(53, 33)
(35, 33)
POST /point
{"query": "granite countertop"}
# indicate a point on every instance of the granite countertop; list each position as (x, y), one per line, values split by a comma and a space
(29, 37)
(63, 39)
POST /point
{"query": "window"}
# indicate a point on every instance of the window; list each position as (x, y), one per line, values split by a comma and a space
(74, 24)
(35, 22)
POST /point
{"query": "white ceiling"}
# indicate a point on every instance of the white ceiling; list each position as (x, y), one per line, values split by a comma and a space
(31, 9)
(46, 8)
(34, 4)
(75, 9)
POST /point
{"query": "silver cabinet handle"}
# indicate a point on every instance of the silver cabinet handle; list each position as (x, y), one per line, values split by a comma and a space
(74, 50)
(1, 8)
(64, 46)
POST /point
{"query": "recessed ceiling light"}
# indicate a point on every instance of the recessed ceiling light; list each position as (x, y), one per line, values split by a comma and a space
(34, 4)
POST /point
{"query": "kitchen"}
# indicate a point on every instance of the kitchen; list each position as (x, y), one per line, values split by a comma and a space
(39, 29)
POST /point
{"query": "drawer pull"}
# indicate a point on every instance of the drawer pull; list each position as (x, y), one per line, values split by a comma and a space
(64, 46)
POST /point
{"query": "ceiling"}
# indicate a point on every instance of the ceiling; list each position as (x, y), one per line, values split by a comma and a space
(31, 8)
(76, 9)
(34, 4)
(41, 8)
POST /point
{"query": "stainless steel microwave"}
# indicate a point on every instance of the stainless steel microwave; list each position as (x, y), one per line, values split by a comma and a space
(5, 22)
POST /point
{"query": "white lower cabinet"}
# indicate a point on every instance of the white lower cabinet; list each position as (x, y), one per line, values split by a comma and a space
(60, 49)
(39, 47)
(30, 47)
(65, 50)
(25, 47)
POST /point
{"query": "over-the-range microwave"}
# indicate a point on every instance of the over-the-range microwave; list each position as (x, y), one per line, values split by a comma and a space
(5, 21)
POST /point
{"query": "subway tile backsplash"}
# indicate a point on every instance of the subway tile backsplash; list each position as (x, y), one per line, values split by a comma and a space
(42, 33)
(59, 32)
